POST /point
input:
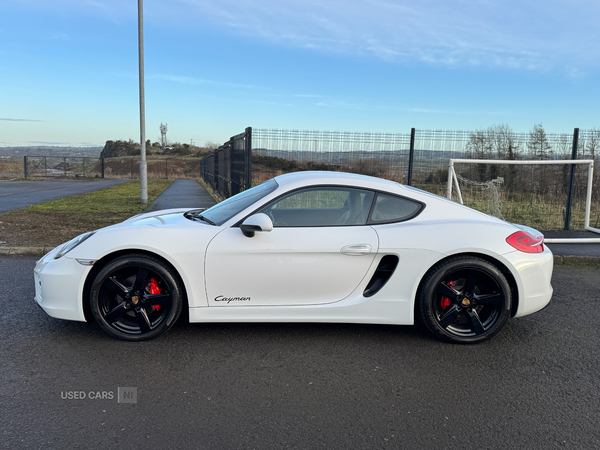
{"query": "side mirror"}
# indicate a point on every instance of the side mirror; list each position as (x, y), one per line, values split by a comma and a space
(257, 222)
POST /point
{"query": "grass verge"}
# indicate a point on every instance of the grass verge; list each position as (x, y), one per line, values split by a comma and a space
(55, 222)
(207, 187)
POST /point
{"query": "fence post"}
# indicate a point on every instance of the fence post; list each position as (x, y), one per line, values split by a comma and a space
(248, 174)
(25, 166)
(411, 155)
(571, 179)
(102, 166)
(65, 166)
(167, 168)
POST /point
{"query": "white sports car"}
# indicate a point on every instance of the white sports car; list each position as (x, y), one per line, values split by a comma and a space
(303, 247)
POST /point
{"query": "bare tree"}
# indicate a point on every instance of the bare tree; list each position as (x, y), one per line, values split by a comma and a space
(539, 148)
(505, 143)
(538, 143)
(479, 147)
(495, 142)
(592, 145)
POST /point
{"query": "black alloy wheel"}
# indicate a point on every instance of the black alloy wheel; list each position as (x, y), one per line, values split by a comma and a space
(136, 298)
(465, 300)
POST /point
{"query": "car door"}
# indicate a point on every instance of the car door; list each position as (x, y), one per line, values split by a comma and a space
(319, 251)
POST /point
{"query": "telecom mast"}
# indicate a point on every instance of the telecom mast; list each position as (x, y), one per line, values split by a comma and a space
(163, 135)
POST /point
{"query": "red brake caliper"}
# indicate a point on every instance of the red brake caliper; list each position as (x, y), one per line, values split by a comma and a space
(445, 300)
(154, 289)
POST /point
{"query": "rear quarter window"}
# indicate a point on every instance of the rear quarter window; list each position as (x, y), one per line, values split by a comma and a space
(391, 208)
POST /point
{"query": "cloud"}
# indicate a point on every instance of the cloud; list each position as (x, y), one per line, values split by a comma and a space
(308, 96)
(58, 37)
(65, 144)
(455, 113)
(198, 81)
(534, 35)
(510, 34)
(8, 119)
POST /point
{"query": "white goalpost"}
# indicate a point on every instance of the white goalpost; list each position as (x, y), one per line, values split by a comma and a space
(453, 181)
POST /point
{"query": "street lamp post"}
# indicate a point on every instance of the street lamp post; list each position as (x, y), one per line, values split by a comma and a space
(143, 164)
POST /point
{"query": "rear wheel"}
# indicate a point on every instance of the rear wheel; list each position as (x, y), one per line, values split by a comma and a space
(465, 300)
(136, 297)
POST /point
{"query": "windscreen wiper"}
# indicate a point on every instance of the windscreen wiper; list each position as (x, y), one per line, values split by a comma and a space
(197, 214)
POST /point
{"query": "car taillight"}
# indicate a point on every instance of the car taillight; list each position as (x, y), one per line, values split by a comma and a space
(525, 242)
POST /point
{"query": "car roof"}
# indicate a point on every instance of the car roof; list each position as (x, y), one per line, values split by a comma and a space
(307, 178)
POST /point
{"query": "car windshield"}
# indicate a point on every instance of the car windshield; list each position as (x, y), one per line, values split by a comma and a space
(222, 212)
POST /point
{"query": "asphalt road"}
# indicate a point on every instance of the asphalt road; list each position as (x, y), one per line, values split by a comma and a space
(19, 194)
(304, 386)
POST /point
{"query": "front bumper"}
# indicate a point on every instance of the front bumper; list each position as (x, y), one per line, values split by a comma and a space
(59, 286)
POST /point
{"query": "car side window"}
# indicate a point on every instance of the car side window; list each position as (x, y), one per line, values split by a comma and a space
(321, 207)
(390, 208)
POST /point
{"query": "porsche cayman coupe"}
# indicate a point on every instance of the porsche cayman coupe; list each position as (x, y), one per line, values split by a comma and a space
(303, 247)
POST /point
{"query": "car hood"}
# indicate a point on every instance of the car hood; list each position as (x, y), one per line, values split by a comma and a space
(165, 217)
(159, 213)
(166, 233)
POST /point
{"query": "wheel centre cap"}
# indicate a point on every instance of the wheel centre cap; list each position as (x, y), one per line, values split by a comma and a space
(135, 299)
(466, 301)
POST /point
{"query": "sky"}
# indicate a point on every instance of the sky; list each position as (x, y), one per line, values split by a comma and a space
(69, 68)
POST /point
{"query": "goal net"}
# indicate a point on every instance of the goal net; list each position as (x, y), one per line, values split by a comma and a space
(533, 193)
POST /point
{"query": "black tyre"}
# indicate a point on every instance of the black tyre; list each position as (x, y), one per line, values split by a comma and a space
(465, 300)
(136, 297)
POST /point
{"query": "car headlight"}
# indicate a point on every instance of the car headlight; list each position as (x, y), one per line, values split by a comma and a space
(72, 244)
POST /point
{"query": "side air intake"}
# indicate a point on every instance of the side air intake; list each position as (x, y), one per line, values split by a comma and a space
(384, 271)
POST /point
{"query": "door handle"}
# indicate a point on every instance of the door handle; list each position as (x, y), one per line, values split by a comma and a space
(356, 249)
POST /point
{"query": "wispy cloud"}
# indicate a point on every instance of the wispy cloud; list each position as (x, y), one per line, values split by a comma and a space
(8, 119)
(346, 105)
(199, 81)
(454, 113)
(57, 37)
(532, 35)
(64, 144)
(511, 34)
(308, 96)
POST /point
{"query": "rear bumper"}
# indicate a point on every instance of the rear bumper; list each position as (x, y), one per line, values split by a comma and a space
(533, 280)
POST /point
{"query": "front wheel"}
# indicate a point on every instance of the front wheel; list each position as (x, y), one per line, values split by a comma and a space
(465, 300)
(136, 297)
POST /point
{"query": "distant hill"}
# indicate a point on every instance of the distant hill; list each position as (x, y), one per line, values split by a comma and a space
(116, 149)
(111, 149)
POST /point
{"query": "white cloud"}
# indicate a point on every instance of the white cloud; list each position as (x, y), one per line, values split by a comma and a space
(58, 37)
(531, 35)
(454, 113)
(9, 119)
(198, 81)
(308, 95)
(536, 35)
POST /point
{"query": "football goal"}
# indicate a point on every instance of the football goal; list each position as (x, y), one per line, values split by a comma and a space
(533, 186)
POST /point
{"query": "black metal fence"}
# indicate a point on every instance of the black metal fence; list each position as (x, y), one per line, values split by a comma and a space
(228, 170)
(540, 196)
(384, 155)
(61, 167)
(88, 167)
(173, 167)
(389, 154)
